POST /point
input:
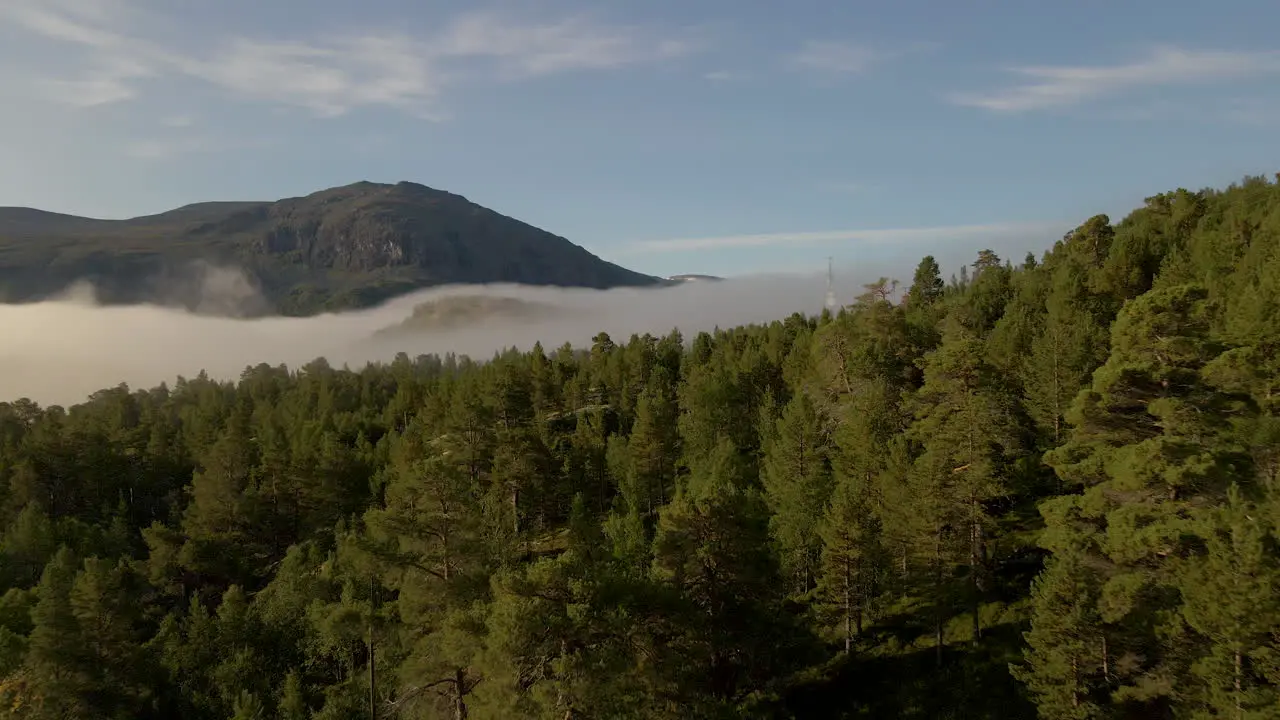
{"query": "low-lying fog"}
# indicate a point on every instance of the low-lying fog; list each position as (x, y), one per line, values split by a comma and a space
(58, 352)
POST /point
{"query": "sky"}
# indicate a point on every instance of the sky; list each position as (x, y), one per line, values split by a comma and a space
(669, 136)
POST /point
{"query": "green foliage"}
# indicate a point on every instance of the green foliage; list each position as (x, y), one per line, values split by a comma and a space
(1046, 489)
(798, 482)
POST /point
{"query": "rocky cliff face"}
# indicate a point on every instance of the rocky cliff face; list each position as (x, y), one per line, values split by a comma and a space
(344, 247)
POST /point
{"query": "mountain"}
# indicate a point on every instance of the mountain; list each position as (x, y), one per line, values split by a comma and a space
(457, 311)
(345, 247)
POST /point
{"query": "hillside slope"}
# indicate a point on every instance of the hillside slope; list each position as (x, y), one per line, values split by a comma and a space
(351, 246)
(461, 311)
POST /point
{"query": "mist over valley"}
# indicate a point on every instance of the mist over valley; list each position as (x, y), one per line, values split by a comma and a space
(60, 350)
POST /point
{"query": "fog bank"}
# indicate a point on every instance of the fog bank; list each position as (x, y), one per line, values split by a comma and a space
(59, 352)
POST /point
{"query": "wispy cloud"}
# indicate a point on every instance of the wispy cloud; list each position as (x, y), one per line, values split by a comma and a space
(893, 236)
(328, 79)
(111, 82)
(533, 49)
(1052, 86)
(836, 57)
(113, 67)
(331, 76)
(80, 23)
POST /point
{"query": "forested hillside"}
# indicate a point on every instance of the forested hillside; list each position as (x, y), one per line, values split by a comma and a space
(1044, 487)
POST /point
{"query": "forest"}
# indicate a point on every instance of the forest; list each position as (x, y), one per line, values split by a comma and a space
(1043, 487)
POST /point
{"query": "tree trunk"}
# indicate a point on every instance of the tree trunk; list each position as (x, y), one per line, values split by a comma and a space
(1057, 394)
(937, 590)
(648, 494)
(562, 699)
(937, 635)
(515, 510)
(446, 533)
(602, 483)
(664, 473)
(459, 690)
(848, 612)
(373, 685)
(903, 572)
(973, 584)
(857, 619)
(1106, 661)
(1075, 682)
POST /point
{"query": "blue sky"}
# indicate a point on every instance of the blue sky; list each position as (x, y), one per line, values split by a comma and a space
(670, 135)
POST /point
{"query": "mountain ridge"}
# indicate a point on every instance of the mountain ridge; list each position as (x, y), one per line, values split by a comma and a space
(343, 247)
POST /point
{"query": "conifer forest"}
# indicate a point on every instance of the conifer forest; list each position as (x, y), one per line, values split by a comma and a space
(1039, 487)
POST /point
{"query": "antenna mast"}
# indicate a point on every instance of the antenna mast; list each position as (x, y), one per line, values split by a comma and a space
(831, 293)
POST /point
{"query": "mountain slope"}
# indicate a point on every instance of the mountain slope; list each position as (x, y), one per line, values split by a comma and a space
(351, 246)
(461, 311)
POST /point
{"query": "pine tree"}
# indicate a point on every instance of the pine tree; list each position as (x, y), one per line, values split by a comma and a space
(798, 483)
(248, 707)
(853, 559)
(1067, 663)
(1073, 340)
(970, 434)
(1151, 443)
(654, 448)
(1231, 599)
(57, 662)
(987, 294)
(293, 701)
(430, 538)
(926, 284)
(225, 535)
(104, 603)
(555, 642)
(30, 541)
(429, 525)
(522, 472)
(712, 549)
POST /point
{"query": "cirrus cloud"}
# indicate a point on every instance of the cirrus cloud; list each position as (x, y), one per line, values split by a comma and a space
(835, 57)
(1051, 86)
(333, 75)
